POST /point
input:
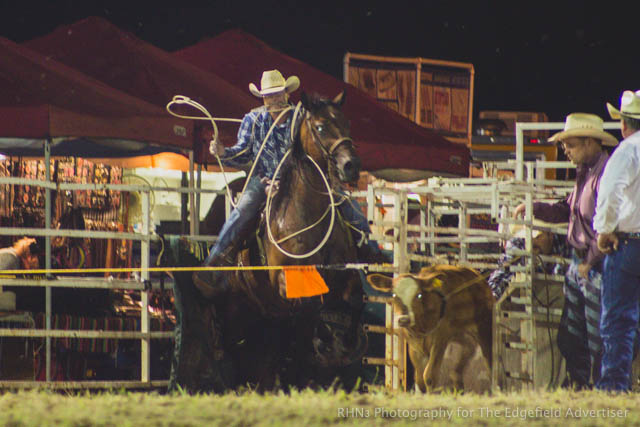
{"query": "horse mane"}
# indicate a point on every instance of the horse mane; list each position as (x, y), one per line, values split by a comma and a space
(297, 158)
(316, 101)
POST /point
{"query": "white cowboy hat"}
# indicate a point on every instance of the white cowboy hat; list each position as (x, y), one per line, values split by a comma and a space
(584, 124)
(273, 82)
(629, 106)
(519, 230)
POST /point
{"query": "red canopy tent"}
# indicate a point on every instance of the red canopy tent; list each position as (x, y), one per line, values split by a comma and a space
(384, 139)
(115, 57)
(43, 99)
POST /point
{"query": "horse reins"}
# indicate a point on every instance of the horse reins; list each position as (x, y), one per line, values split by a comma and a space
(180, 99)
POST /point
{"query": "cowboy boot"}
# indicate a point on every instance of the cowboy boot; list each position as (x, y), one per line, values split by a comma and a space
(212, 283)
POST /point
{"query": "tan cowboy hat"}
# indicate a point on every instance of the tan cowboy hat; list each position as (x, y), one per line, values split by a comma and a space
(519, 230)
(273, 82)
(584, 124)
(629, 106)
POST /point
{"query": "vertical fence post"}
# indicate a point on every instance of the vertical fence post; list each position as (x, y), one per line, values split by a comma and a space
(145, 343)
(194, 216)
(423, 223)
(395, 374)
(198, 195)
(462, 228)
(47, 256)
(519, 152)
(527, 326)
(431, 223)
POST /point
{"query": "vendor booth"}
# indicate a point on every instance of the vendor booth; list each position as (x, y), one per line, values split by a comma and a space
(390, 145)
(53, 121)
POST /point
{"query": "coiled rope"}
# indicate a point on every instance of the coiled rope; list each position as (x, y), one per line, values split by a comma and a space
(184, 100)
(181, 99)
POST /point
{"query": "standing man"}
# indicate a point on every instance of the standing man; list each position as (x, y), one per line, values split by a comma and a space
(617, 222)
(579, 339)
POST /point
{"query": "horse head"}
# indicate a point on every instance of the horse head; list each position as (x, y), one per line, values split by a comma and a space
(324, 135)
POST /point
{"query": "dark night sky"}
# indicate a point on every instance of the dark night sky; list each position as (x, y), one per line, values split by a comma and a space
(555, 57)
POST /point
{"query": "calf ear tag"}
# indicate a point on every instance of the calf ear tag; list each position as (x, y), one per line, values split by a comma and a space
(437, 283)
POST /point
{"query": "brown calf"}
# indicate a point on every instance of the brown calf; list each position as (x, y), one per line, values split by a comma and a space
(445, 316)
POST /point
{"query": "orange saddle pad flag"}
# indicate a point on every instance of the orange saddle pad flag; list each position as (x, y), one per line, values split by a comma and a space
(304, 282)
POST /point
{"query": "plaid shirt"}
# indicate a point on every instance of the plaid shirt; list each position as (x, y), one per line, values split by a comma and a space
(253, 129)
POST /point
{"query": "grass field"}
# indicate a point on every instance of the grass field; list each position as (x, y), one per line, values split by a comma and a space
(307, 408)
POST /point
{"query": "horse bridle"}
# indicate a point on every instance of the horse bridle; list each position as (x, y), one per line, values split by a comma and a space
(328, 153)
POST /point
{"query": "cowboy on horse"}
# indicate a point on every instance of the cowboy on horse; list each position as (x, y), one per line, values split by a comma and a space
(269, 125)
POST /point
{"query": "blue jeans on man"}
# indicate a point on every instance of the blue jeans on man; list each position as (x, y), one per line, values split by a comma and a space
(579, 338)
(620, 311)
(236, 225)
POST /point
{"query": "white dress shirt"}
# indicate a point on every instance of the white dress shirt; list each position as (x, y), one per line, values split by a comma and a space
(618, 206)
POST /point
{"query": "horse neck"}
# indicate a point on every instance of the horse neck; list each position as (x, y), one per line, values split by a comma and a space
(304, 202)
(308, 190)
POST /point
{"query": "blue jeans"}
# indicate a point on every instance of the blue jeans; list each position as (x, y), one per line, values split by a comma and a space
(620, 297)
(236, 225)
(579, 333)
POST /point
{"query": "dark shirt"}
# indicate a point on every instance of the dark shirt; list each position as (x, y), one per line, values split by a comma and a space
(579, 209)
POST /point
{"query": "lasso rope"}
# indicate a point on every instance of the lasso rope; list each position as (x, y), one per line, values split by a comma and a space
(268, 215)
(181, 99)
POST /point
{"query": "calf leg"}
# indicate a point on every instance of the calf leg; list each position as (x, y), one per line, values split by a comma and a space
(456, 356)
(419, 360)
(477, 373)
(449, 362)
(432, 377)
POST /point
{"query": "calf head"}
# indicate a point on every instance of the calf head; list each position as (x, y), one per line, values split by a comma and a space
(418, 300)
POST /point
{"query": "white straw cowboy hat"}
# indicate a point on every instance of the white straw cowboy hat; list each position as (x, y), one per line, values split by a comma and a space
(584, 124)
(273, 82)
(629, 106)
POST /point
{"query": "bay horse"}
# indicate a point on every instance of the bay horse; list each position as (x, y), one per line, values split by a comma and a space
(267, 339)
(322, 146)
(326, 332)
